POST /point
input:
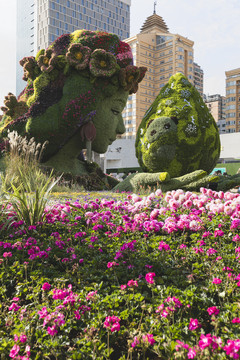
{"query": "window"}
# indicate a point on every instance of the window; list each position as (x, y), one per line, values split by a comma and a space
(68, 3)
(231, 83)
(66, 26)
(52, 5)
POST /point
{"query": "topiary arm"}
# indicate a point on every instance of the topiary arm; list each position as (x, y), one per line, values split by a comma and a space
(137, 182)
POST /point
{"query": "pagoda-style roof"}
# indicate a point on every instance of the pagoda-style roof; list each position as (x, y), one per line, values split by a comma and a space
(154, 21)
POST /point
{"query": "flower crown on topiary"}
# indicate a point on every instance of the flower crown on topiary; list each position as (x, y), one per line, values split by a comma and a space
(98, 54)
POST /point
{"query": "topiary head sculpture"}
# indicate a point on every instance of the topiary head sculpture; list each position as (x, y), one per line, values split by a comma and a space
(75, 93)
(178, 135)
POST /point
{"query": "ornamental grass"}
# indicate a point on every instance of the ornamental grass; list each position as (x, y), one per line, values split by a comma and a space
(124, 277)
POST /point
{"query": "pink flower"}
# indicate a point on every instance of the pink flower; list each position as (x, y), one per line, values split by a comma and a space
(213, 310)
(52, 330)
(15, 307)
(135, 342)
(149, 277)
(232, 348)
(236, 321)
(111, 264)
(164, 246)
(7, 254)
(43, 313)
(132, 283)
(191, 353)
(194, 324)
(123, 287)
(112, 322)
(148, 338)
(205, 341)
(27, 350)
(14, 351)
(91, 295)
(23, 338)
(216, 281)
(46, 286)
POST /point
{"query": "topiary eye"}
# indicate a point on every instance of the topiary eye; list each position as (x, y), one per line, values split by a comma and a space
(115, 112)
(153, 132)
(167, 126)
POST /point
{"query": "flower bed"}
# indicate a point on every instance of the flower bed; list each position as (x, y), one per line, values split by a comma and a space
(139, 278)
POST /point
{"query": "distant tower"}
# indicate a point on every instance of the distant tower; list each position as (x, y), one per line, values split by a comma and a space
(232, 100)
(40, 22)
(164, 54)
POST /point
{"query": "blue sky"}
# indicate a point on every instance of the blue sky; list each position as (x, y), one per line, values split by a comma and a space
(213, 25)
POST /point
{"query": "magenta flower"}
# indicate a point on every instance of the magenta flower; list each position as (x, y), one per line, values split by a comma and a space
(91, 295)
(191, 353)
(111, 264)
(132, 283)
(14, 351)
(164, 246)
(52, 330)
(135, 342)
(232, 348)
(216, 281)
(213, 310)
(112, 323)
(194, 324)
(205, 341)
(236, 321)
(149, 277)
(22, 338)
(7, 254)
(46, 286)
(149, 339)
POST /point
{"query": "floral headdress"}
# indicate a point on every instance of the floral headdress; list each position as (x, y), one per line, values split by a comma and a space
(98, 53)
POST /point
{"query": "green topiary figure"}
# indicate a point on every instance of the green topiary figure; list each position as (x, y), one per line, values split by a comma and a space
(178, 135)
(76, 91)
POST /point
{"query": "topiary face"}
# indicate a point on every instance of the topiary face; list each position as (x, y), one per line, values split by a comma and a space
(108, 120)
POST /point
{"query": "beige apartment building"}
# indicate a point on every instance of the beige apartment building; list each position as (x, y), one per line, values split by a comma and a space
(216, 105)
(233, 100)
(164, 54)
(198, 78)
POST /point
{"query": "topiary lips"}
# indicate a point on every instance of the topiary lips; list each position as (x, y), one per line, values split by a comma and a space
(178, 135)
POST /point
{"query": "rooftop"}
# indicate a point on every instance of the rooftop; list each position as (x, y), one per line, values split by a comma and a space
(154, 21)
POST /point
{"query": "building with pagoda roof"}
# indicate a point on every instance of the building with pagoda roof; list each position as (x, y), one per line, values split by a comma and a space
(154, 22)
(164, 54)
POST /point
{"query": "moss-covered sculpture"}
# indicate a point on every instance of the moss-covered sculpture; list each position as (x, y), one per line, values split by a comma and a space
(177, 133)
(177, 143)
(75, 93)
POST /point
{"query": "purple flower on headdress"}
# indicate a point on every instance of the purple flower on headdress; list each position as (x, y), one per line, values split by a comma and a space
(102, 63)
(78, 56)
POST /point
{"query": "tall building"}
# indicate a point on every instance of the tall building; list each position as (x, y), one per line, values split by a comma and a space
(40, 22)
(216, 105)
(233, 100)
(164, 54)
(198, 78)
